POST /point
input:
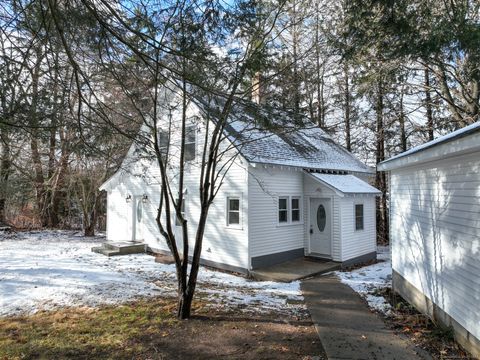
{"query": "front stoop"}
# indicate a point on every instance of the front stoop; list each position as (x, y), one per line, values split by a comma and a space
(296, 269)
(119, 248)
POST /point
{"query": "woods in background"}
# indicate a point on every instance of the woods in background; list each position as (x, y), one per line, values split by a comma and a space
(378, 76)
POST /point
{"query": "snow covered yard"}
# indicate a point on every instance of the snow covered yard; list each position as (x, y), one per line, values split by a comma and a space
(368, 281)
(51, 269)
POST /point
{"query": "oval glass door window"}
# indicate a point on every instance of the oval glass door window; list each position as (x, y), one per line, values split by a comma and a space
(139, 211)
(321, 218)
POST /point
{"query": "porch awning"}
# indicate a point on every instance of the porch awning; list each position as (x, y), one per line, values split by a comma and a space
(346, 184)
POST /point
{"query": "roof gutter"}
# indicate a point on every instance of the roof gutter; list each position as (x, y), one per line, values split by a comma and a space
(436, 149)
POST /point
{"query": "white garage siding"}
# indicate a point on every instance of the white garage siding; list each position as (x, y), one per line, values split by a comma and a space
(266, 235)
(435, 233)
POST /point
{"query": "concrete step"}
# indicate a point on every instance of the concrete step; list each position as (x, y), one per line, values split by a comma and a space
(104, 251)
(119, 248)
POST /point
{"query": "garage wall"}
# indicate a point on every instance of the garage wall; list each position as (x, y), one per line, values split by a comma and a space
(435, 234)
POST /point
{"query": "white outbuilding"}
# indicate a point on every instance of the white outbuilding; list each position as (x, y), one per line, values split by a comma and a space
(435, 230)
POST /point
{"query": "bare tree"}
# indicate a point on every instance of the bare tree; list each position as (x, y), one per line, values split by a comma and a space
(174, 51)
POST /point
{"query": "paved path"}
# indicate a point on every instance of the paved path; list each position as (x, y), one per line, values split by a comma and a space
(346, 326)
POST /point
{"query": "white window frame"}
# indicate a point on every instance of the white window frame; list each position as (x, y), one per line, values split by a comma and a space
(355, 216)
(287, 198)
(240, 210)
(195, 129)
(300, 212)
(289, 210)
(164, 148)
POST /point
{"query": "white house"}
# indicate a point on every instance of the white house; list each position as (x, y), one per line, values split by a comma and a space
(435, 230)
(291, 192)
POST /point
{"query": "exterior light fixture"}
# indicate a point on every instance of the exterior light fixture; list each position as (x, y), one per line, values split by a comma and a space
(128, 198)
(144, 198)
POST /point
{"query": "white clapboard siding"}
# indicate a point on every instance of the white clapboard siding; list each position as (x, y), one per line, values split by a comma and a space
(221, 243)
(435, 233)
(314, 189)
(356, 243)
(266, 235)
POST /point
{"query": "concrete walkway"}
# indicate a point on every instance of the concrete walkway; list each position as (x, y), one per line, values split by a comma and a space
(346, 326)
(295, 269)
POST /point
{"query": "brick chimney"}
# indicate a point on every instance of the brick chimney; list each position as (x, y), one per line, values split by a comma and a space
(258, 95)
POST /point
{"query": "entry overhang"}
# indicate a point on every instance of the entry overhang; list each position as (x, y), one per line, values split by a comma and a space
(345, 184)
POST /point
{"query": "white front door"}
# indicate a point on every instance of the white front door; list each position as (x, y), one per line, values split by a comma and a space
(137, 218)
(321, 227)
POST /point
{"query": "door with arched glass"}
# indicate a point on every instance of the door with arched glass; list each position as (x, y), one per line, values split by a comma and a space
(320, 227)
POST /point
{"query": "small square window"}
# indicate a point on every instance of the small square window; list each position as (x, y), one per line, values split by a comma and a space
(359, 217)
(233, 211)
(283, 209)
(295, 209)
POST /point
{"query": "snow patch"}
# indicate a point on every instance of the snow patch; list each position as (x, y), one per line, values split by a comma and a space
(368, 280)
(50, 269)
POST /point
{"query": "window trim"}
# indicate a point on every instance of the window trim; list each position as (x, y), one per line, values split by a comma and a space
(238, 197)
(300, 212)
(165, 148)
(289, 209)
(355, 216)
(194, 142)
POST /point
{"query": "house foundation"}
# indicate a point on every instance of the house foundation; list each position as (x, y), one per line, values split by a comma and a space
(438, 315)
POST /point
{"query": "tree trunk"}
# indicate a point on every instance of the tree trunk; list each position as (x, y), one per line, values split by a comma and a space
(347, 97)
(91, 223)
(296, 83)
(186, 296)
(428, 105)
(380, 181)
(403, 134)
(5, 165)
(185, 305)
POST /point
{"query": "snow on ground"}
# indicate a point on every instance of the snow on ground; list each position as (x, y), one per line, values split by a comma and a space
(368, 280)
(51, 269)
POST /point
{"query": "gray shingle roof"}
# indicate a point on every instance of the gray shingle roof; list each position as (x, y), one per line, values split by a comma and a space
(269, 136)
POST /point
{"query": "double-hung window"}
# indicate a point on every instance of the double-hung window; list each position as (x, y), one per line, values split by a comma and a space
(283, 210)
(295, 208)
(359, 217)
(163, 142)
(233, 211)
(289, 209)
(190, 142)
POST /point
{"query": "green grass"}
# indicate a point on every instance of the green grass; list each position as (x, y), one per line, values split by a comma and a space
(109, 332)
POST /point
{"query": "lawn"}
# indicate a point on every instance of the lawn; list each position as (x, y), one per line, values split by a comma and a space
(59, 300)
(148, 329)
